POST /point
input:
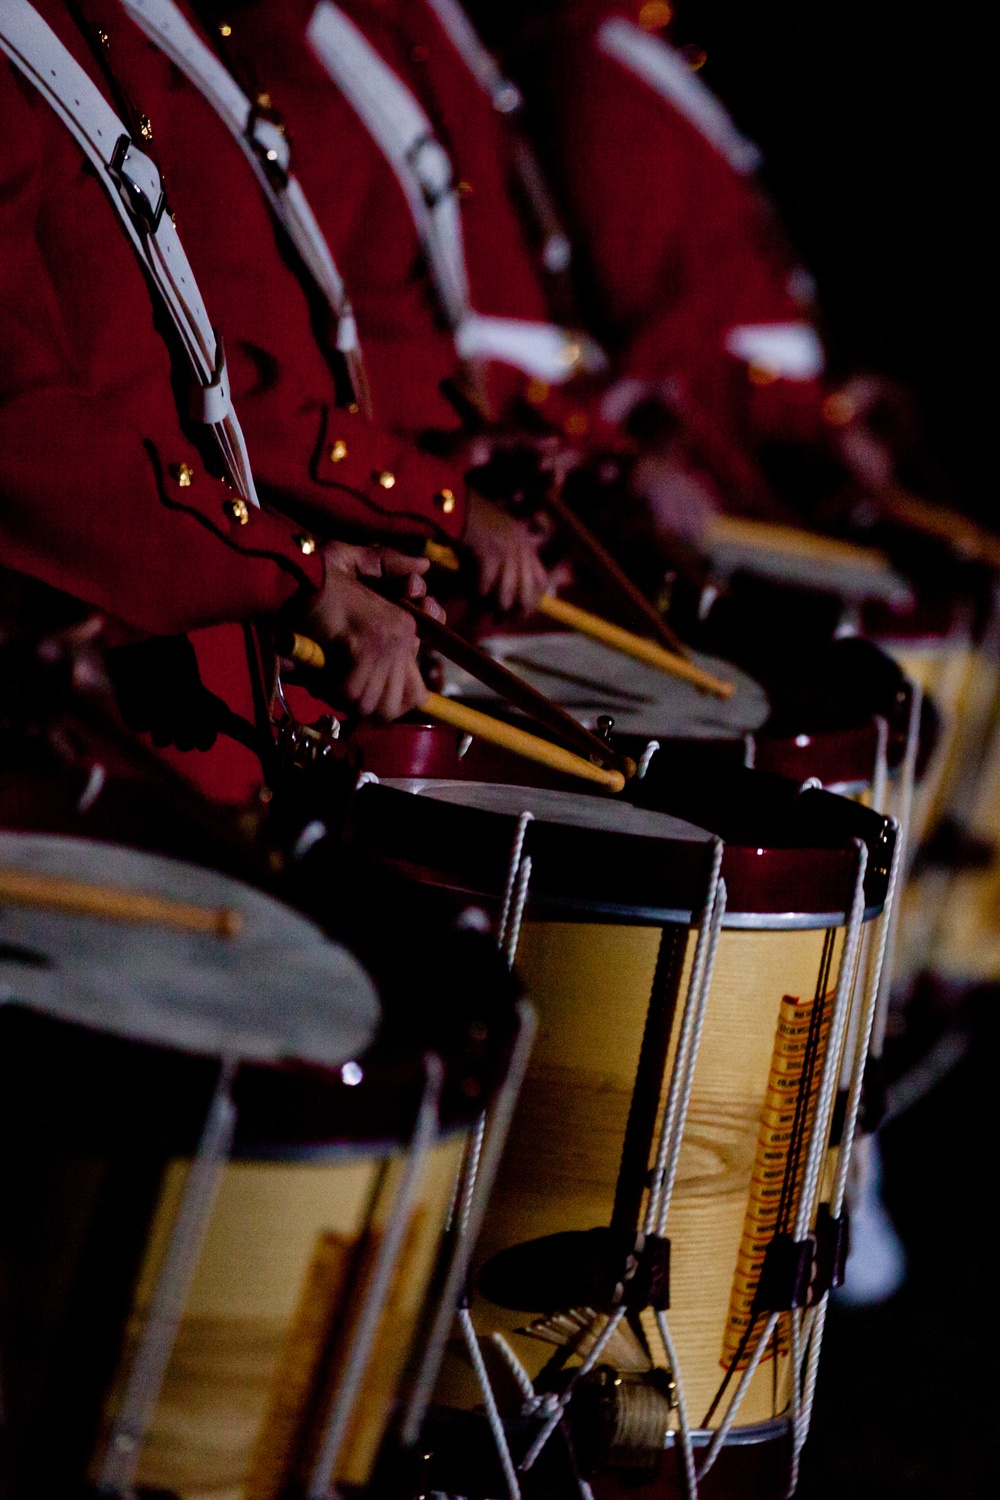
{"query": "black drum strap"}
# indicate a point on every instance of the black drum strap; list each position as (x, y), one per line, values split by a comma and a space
(633, 1173)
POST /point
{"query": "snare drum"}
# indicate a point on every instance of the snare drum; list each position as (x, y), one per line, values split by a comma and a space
(222, 1209)
(802, 559)
(626, 936)
(822, 723)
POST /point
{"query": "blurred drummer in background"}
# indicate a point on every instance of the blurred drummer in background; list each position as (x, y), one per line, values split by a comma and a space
(682, 267)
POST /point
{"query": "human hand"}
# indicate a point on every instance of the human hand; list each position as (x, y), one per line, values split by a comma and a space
(506, 551)
(383, 680)
(680, 500)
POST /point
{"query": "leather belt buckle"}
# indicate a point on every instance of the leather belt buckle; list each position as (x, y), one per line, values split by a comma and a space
(139, 183)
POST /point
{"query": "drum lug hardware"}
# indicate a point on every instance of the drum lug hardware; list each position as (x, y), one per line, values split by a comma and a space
(832, 1244)
(647, 1282)
(620, 1421)
(787, 1274)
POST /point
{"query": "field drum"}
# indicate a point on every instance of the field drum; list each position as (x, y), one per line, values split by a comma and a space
(223, 1210)
(679, 984)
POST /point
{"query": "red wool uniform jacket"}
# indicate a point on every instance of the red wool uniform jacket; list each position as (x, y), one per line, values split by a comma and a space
(364, 213)
(104, 495)
(681, 261)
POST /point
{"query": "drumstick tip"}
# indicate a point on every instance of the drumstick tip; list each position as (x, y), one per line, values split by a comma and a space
(228, 923)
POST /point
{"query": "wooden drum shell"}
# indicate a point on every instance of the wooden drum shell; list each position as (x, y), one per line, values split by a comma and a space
(96, 1139)
(591, 985)
(600, 904)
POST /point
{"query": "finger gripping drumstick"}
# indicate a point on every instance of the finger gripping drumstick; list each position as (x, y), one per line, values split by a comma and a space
(633, 645)
(80, 899)
(495, 731)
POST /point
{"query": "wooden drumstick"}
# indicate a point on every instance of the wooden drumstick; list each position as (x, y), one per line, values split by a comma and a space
(633, 645)
(81, 899)
(484, 727)
(612, 571)
(625, 641)
(518, 741)
(965, 537)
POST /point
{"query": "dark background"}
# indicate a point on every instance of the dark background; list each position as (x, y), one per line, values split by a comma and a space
(877, 122)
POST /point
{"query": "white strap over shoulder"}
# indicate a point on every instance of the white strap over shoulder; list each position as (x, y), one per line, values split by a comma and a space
(504, 95)
(787, 351)
(265, 146)
(664, 70)
(403, 133)
(405, 136)
(132, 182)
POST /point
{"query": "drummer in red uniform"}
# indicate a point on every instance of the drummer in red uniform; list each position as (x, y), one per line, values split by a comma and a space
(322, 463)
(683, 269)
(402, 158)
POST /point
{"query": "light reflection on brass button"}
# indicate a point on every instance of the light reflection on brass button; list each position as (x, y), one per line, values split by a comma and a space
(305, 543)
(338, 452)
(446, 500)
(236, 509)
(353, 408)
(760, 375)
(655, 15)
(184, 474)
(385, 477)
(225, 29)
(145, 127)
(263, 101)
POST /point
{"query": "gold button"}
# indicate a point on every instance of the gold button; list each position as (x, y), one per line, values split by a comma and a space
(305, 543)
(839, 409)
(184, 474)
(537, 391)
(655, 15)
(236, 509)
(353, 408)
(446, 500)
(385, 477)
(263, 101)
(463, 189)
(225, 29)
(338, 452)
(145, 127)
(759, 375)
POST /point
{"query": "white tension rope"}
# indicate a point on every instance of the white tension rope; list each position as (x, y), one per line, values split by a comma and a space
(132, 183)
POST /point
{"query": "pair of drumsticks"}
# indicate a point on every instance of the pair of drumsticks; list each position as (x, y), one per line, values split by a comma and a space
(581, 753)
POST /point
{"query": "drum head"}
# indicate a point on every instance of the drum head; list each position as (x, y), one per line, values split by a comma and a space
(276, 989)
(589, 679)
(570, 809)
(802, 559)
